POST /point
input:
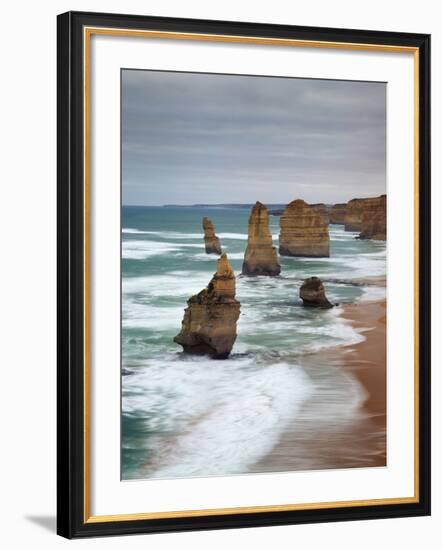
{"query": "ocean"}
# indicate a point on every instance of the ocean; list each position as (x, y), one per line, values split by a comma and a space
(186, 416)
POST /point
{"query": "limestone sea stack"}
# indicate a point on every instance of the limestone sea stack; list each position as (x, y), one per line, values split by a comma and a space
(211, 241)
(209, 322)
(260, 257)
(312, 293)
(303, 232)
(322, 210)
(337, 213)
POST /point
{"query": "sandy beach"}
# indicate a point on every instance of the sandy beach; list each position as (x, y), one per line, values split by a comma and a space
(367, 360)
(360, 439)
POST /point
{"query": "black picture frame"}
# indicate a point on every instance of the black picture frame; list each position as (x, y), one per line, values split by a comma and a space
(72, 521)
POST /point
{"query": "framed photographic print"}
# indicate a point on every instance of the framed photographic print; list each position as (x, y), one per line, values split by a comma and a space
(243, 274)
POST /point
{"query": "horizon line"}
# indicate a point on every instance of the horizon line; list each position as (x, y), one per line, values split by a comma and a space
(277, 203)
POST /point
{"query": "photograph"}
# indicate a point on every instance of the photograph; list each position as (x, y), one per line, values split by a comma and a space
(217, 296)
(253, 274)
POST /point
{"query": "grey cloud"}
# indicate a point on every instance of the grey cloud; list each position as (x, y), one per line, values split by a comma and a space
(220, 138)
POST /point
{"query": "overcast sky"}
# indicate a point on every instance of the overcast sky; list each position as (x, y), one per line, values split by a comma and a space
(197, 138)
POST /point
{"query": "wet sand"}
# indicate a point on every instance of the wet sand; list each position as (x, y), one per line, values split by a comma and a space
(322, 436)
(367, 360)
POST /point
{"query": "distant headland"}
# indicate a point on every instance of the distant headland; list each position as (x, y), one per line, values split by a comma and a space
(247, 205)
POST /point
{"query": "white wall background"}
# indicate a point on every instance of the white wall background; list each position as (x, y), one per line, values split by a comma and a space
(27, 287)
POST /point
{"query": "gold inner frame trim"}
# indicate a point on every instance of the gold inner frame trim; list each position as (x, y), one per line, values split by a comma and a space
(87, 34)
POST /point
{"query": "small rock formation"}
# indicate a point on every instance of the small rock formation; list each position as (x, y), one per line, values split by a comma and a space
(322, 210)
(312, 293)
(209, 322)
(213, 246)
(337, 213)
(374, 219)
(303, 232)
(276, 212)
(260, 257)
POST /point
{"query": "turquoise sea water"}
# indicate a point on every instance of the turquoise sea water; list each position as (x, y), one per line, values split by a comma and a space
(192, 416)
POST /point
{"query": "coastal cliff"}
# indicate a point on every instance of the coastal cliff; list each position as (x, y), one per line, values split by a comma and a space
(368, 216)
(374, 219)
(260, 257)
(303, 231)
(211, 241)
(337, 213)
(312, 293)
(353, 214)
(209, 323)
(323, 211)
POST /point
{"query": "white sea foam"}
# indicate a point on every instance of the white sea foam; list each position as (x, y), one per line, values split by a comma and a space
(212, 257)
(381, 254)
(333, 330)
(203, 256)
(285, 331)
(175, 283)
(341, 238)
(368, 265)
(177, 235)
(349, 266)
(233, 236)
(226, 415)
(339, 335)
(240, 236)
(338, 396)
(151, 318)
(141, 250)
(373, 294)
(131, 231)
(165, 234)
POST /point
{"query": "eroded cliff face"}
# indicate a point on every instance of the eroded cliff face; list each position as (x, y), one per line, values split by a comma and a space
(211, 241)
(312, 293)
(369, 216)
(337, 213)
(374, 219)
(209, 323)
(260, 257)
(303, 231)
(353, 214)
(323, 211)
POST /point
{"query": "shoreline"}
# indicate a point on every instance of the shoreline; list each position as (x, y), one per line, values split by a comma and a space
(360, 439)
(367, 359)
